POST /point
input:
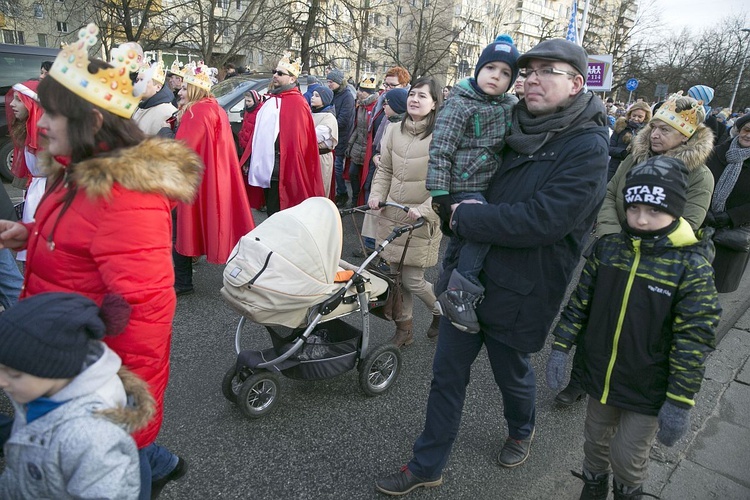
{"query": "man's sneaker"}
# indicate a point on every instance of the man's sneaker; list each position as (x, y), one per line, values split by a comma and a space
(403, 482)
(515, 451)
(458, 306)
(159, 484)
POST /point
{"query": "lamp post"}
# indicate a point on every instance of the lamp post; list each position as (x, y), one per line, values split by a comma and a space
(742, 68)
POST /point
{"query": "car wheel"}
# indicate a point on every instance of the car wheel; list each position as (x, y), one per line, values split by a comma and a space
(6, 160)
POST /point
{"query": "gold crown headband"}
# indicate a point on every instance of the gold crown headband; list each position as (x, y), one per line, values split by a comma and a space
(109, 88)
(686, 122)
(368, 81)
(154, 71)
(197, 74)
(293, 67)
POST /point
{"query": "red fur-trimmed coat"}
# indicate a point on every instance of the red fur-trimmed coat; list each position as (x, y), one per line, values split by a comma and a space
(116, 237)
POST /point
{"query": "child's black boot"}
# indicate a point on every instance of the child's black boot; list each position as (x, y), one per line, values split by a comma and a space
(596, 487)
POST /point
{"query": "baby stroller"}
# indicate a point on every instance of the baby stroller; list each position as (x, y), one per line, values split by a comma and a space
(287, 276)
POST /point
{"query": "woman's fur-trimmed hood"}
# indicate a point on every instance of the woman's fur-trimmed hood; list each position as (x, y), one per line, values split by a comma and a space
(693, 153)
(156, 165)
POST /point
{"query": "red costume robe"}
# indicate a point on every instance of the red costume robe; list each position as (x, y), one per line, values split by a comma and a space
(220, 215)
(299, 164)
(27, 93)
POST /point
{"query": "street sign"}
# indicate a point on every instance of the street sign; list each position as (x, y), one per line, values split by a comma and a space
(632, 84)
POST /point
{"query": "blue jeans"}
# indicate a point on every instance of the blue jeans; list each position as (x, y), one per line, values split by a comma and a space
(10, 279)
(451, 370)
(469, 254)
(338, 172)
(155, 462)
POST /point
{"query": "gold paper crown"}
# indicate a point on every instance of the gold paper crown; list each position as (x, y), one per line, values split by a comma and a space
(110, 88)
(197, 74)
(293, 67)
(686, 122)
(368, 82)
(176, 67)
(155, 71)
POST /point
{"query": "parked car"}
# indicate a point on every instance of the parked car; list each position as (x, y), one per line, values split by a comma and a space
(231, 94)
(18, 63)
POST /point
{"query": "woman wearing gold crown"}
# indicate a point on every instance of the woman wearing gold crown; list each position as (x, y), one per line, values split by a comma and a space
(104, 225)
(220, 215)
(675, 130)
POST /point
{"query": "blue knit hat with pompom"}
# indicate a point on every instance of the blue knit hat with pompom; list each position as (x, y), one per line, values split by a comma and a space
(503, 50)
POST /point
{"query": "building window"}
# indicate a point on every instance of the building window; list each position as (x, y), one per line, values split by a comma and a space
(38, 11)
(12, 36)
(239, 5)
(62, 26)
(42, 39)
(386, 43)
(249, 56)
(223, 4)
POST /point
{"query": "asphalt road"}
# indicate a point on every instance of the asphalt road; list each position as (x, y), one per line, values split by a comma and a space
(326, 439)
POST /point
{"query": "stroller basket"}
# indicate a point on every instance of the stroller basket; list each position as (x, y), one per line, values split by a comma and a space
(330, 350)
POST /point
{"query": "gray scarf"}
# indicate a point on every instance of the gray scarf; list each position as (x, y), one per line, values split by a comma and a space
(529, 133)
(736, 156)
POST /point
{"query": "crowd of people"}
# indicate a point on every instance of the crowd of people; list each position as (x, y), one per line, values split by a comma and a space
(522, 167)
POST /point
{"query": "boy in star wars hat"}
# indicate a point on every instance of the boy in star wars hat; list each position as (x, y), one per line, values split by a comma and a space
(643, 316)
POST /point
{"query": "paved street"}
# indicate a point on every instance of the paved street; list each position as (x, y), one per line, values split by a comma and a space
(327, 440)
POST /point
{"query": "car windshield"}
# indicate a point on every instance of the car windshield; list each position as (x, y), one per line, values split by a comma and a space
(231, 87)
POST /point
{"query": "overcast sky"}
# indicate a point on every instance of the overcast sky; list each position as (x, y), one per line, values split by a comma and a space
(698, 14)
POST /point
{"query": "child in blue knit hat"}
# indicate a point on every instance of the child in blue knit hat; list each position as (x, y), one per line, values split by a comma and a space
(74, 404)
(465, 152)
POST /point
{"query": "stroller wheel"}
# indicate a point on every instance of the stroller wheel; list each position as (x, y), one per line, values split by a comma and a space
(232, 383)
(380, 369)
(258, 394)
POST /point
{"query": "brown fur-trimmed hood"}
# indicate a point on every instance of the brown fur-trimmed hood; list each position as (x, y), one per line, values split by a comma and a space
(141, 406)
(156, 165)
(693, 153)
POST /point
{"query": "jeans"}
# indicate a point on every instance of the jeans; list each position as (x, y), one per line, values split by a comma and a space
(10, 279)
(155, 463)
(451, 370)
(469, 254)
(338, 171)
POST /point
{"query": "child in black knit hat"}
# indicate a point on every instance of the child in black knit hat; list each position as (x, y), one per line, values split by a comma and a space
(644, 316)
(464, 156)
(74, 405)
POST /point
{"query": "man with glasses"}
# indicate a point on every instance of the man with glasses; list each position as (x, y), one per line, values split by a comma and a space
(540, 206)
(285, 166)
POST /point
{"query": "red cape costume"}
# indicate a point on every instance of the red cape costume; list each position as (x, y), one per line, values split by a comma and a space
(368, 151)
(220, 215)
(27, 93)
(299, 164)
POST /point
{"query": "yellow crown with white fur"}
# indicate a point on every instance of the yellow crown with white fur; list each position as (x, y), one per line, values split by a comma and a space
(110, 88)
(155, 71)
(686, 122)
(292, 67)
(197, 74)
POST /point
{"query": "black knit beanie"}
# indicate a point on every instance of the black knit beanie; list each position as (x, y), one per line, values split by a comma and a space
(503, 50)
(47, 335)
(661, 182)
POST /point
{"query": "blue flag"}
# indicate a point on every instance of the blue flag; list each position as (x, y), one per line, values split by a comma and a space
(572, 34)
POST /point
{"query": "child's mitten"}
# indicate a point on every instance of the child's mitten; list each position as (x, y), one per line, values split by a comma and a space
(557, 364)
(674, 422)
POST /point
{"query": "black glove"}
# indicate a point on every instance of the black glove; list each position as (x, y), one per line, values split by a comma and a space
(441, 205)
(718, 219)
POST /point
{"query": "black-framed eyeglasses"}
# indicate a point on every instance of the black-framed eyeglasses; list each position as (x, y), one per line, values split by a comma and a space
(388, 85)
(544, 73)
(280, 73)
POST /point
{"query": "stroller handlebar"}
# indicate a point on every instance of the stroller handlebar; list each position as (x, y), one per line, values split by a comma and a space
(398, 230)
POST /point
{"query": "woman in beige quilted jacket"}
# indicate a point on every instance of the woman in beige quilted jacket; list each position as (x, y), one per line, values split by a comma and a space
(401, 179)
